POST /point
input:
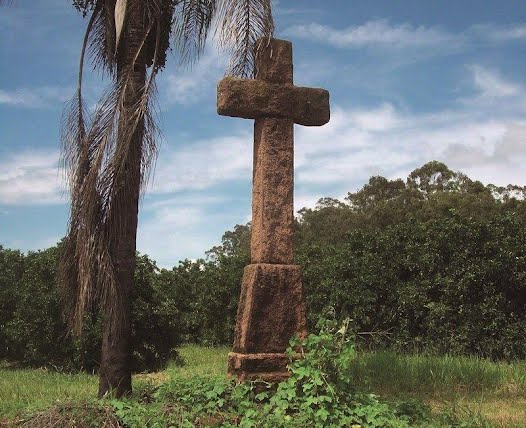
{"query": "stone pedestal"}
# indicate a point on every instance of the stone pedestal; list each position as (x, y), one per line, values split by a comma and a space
(271, 310)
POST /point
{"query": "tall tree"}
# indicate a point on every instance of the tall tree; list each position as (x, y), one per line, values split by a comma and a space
(109, 155)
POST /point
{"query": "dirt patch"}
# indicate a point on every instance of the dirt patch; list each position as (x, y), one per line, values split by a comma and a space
(70, 416)
(156, 378)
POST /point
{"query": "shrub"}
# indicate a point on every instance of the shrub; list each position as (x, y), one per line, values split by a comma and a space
(452, 285)
(35, 333)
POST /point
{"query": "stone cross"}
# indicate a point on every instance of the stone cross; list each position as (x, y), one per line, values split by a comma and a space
(272, 304)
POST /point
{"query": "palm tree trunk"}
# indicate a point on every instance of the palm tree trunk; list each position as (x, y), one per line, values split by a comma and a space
(115, 368)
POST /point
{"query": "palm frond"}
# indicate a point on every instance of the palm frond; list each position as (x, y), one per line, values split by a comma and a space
(192, 22)
(84, 6)
(102, 40)
(109, 164)
(75, 159)
(109, 159)
(241, 23)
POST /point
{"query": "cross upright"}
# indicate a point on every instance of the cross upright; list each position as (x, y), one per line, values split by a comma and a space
(272, 305)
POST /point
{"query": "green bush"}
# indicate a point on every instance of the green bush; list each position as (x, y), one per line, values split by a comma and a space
(35, 333)
(200, 298)
(450, 285)
(11, 269)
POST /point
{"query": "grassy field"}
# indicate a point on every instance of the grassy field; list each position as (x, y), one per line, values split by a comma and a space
(497, 391)
(466, 385)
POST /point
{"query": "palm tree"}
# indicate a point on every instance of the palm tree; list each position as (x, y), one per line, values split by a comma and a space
(109, 156)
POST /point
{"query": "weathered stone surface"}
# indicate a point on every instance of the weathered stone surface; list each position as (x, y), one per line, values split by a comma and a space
(274, 61)
(272, 194)
(271, 309)
(253, 99)
(276, 105)
(266, 367)
(272, 305)
(258, 363)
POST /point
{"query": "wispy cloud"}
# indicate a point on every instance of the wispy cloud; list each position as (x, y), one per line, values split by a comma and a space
(383, 34)
(502, 33)
(337, 158)
(172, 230)
(32, 243)
(492, 150)
(189, 86)
(492, 85)
(486, 139)
(183, 226)
(202, 164)
(279, 9)
(40, 97)
(28, 178)
(374, 33)
(36, 178)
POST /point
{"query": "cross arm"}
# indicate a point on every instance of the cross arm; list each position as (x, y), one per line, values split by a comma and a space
(253, 99)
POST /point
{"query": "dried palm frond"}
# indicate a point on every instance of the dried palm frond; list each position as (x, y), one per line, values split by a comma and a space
(102, 40)
(75, 159)
(107, 165)
(241, 24)
(84, 6)
(192, 21)
(109, 157)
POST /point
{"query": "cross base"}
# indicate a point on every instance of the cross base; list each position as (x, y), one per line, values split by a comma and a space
(271, 311)
(270, 368)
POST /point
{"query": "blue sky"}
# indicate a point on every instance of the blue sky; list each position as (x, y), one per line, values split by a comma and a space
(410, 82)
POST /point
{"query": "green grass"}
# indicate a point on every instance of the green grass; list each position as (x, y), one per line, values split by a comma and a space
(473, 386)
(26, 391)
(201, 361)
(438, 376)
(496, 391)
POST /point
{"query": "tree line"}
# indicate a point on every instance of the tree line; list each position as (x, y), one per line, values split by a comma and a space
(433, 263)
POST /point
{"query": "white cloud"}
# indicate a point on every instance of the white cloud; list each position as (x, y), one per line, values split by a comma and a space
(381, 33)
(491, 85)
(31, 178)
(36, 178)
(296, 11)
(330, 160)
(32, 243)
(377, 119)
(202, 164)
(373, 33)
(490, 151)
(349, 132)
(181, 227)
(41, 97)
(503, 33)
(484, 136)
(304, 201)
(172, 233)
(189, 86)
(19, 98)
